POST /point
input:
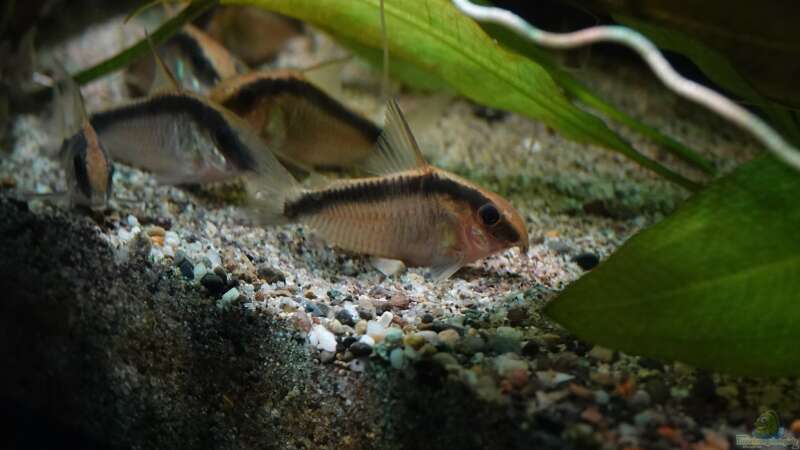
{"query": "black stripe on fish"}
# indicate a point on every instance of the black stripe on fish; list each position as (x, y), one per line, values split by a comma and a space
(248, 95)
(208, 118)
(202, 65)
(375, 190)
(76, 147)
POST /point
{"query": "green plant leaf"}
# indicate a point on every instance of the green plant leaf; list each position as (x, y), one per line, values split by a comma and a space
(714, 285)
(718, 69)
(441, 42)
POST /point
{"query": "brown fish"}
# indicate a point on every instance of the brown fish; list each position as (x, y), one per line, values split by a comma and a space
(86, 162)
(253, 34)
(197, 61)
(414, 212)
(298, 121)
(181, 138)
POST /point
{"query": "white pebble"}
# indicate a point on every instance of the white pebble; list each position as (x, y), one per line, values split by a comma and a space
(322, 339)
(386, 319)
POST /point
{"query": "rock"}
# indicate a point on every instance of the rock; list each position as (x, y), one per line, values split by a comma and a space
(187, 269)
(504, 364)
(657, 389)
(345, 317)
(213, 283)
(639, 400)
(601, 354)
(397, 358)
(470, 345)
(517, 315)
(587, 261)
(359, 349)
(393, 336)
(399, 301)
(322, 339)
(449, 337)
(270, 274)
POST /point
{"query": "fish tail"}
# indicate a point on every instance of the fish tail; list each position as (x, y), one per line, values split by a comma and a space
(269, 188)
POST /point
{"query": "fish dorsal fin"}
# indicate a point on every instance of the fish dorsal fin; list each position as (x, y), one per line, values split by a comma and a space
(164, 78)
(397, 150)
(69, 109)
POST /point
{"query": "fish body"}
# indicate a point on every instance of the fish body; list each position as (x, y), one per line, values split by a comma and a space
(251, 33)
(419, 214)
(180, 137)
(196, 59)
(87, 164)
(301, 123)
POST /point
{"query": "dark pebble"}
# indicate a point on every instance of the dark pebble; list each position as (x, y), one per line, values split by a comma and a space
(427, 318)
(531, 349)
(313, 309)
(213, 283)
(345, 318)
(658, 390)
(366, 313)
(704, 387)
(187, 269)
(587, 261)
(220, 272)
(517, 316)
(360, 349)
(348, 341)
(270, 274)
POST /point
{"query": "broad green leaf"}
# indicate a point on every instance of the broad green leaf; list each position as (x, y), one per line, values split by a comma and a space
(715, 285)
(441, 42)
(718, 69)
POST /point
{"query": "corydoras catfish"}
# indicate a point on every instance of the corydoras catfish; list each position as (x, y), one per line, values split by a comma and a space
(412, 211)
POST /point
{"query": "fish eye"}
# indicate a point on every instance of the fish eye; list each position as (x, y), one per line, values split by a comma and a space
(489, 214)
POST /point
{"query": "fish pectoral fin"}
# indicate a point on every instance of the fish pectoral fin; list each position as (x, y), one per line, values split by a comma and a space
(443, 271)
(388, 267)
(397, 150)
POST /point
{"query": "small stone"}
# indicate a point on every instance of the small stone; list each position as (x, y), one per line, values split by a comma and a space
(270, 274)
(470, 345)
(322, 339)
(504, 364)
(326, 357)
(199, 271)
(361, 327)
(228, 298)
(399, 301)
(449, 337)
(601, 354)
(531, 349)
(658, 391)
(187, 268)
(446, 360)
(587, 261)
(397, 358)
(640, 400)
(361, 349)
(517, 316)
(393, 336)
(345, 317)
(213, 283)
(414, 341)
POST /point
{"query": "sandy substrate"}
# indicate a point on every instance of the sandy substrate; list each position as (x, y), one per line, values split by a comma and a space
(181, 320)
